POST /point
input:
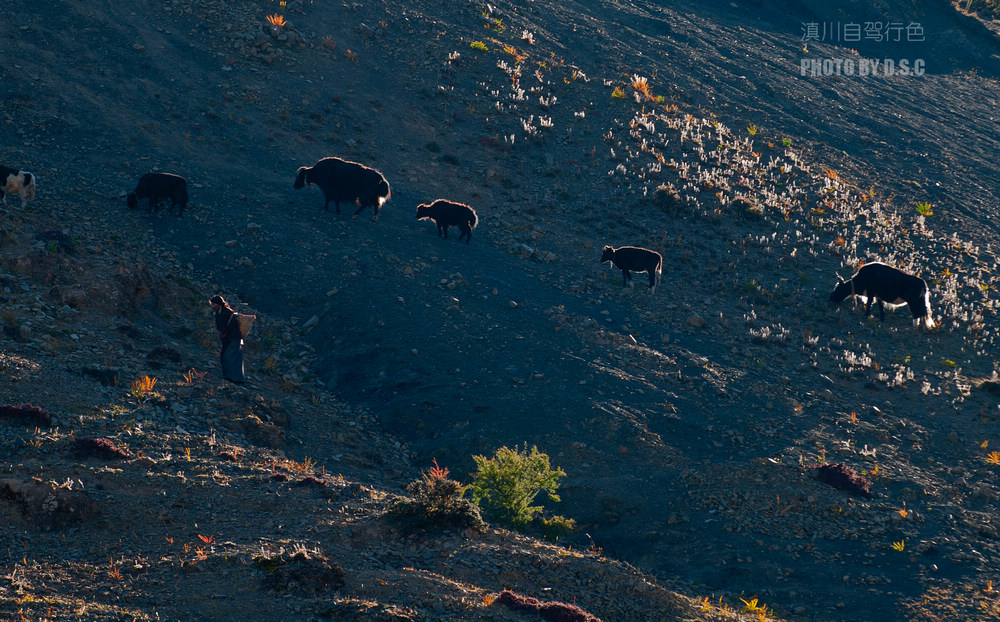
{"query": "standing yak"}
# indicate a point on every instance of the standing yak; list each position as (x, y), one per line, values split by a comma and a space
(449, 214)
(156, 187)
(13, 181)
(341, 180)
(635, 259)
(887, 284)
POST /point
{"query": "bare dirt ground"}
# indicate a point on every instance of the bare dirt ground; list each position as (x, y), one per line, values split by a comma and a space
(687, 421)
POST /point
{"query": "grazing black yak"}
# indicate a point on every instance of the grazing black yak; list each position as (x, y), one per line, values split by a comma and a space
(633, 258)
(13, 181)
(887, 284)
(447, 214)
(341, 180)
(156, 187)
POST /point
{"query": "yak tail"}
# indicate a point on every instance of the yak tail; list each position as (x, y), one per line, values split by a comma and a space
(927, 320)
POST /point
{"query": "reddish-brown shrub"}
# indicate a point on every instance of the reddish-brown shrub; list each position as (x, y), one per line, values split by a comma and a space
(554, 611)
(843, 477)
(27, 414)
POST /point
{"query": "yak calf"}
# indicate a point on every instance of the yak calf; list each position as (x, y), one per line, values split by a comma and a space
(447, 214)
(341, 180)
(155, 187)
(634, 259)
(13, 181)
(887, 284)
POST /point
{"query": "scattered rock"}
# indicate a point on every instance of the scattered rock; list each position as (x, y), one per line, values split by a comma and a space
(308, 573)
(45, 505)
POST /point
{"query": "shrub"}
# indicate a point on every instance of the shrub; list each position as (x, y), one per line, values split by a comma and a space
(437, 503)
(552, 610)
(842, 477)
(304, 572)
(667, 198)
(556, 527)
(506, 485)
(142, 388)
(101, 447)
(26, 414)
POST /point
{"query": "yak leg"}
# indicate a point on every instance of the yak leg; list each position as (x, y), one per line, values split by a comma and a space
(652, 278)
(626, 278)
(363, 206)
(881, 309)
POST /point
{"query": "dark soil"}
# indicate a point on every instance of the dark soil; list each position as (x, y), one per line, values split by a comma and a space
(690, 422)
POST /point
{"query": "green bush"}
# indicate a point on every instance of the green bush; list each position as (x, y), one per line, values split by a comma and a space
(506, 485)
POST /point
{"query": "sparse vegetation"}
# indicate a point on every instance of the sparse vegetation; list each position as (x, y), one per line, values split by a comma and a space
(506, 485)
(436, 502)
(640, 85)
(688, 392)
(142, 388)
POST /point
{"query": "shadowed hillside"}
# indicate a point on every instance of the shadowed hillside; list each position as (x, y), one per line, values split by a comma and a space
(689, 422)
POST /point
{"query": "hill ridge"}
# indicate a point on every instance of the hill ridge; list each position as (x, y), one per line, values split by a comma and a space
(718, 393)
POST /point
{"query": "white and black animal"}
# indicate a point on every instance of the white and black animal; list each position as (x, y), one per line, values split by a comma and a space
(635, 259)
(879, 281)
(448, 214)
(342, 180)
(13, 181)
(156, 187)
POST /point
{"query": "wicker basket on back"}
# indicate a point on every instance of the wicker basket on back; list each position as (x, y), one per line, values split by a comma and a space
(246, 321)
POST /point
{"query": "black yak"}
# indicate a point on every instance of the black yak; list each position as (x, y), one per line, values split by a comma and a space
(635, 259)
(13, 181)
(155, 187)
(887, 284)
(447, 214)
(341, 180)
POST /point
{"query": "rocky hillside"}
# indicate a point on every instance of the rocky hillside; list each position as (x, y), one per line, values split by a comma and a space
(689, 422)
